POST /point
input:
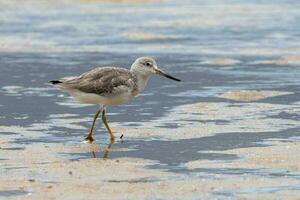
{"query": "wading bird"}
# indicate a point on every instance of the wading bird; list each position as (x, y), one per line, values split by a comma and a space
(107, 86)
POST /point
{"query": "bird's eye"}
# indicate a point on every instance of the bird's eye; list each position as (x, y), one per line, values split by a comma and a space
(148, 64)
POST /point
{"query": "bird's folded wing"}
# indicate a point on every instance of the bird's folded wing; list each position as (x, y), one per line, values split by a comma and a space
(104, 81)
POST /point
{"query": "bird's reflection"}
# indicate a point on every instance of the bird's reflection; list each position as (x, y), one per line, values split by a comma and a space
(105, 151)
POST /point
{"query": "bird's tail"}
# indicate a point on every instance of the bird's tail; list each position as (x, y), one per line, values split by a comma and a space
(55, 82)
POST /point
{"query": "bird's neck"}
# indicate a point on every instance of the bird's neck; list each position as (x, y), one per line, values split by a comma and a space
(142, 80)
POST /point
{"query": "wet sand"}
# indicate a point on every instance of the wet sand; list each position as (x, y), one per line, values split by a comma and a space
(48, 170)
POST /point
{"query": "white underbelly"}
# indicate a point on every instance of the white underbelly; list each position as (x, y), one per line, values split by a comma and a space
(90, 98)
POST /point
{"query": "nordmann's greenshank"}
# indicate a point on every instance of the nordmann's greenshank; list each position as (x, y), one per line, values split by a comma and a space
(107, 86)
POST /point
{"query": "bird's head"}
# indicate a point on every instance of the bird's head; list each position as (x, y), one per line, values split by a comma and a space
(147, 66)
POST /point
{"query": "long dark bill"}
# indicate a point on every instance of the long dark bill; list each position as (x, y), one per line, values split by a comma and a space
(162, 73)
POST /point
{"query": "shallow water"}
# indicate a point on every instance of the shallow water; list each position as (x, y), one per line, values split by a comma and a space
(215, 48)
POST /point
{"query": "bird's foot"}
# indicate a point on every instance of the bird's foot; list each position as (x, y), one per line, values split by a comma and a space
(89, 138)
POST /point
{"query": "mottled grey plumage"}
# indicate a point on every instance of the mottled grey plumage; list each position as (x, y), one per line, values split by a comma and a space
(104, 81)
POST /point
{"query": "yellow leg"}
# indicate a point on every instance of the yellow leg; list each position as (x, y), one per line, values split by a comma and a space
(89, 136)
(112, 137)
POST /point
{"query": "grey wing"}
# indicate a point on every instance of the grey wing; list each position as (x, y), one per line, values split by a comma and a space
(104, 81)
